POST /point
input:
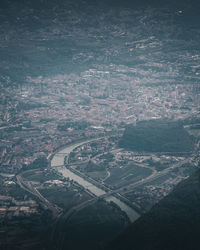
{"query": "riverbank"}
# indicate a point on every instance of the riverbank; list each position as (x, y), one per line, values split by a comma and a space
(57, 162)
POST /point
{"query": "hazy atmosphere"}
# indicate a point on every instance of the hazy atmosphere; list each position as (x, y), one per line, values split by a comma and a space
(99, 125)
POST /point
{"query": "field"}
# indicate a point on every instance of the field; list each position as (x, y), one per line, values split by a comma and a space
(120, 177)
(65, 197)
(95, 172)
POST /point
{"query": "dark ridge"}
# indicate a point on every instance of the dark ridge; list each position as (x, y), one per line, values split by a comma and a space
(172, 224)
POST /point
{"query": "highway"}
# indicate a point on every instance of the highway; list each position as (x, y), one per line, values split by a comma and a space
(27, 186)
(150, 178)
(94, 187)
(98, 189)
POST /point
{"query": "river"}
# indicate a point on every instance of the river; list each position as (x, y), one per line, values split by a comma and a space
(57, 163)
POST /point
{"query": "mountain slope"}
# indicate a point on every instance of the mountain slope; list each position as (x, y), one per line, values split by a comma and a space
(174, 223)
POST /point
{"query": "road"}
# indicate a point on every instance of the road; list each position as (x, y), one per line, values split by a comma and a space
(27, 186)
(94, 187)
(154, 176)
(59, 217)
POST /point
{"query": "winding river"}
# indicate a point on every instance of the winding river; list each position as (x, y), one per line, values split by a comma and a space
(57, 163)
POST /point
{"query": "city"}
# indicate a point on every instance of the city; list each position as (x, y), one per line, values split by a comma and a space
(99, 119)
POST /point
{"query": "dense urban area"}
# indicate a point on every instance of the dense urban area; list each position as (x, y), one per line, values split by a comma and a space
(127, 84)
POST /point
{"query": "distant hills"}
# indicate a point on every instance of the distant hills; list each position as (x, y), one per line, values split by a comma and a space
(172, 224)
(157, 136)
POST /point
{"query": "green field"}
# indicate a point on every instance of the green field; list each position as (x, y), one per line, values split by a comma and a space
(94, 171)
(129, 174)
(65, 198)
